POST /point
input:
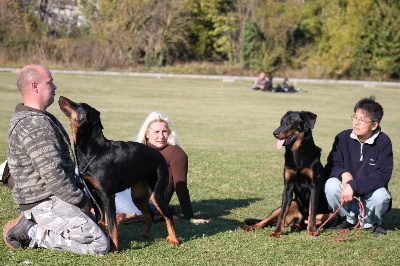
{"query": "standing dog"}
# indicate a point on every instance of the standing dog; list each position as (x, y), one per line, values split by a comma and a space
(110, 166)
(303, 176)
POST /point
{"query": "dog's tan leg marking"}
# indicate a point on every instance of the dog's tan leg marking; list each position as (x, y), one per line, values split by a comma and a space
(114, 238)
(171, 239)
(293, 219)
(280, 226)
(308, 172)
(311, 221)
(92, 181)
(289, 173)
(322, 217)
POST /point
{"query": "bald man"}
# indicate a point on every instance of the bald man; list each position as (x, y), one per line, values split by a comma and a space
(40, 158)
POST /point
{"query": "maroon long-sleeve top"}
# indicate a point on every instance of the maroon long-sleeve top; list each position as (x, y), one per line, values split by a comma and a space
(177, 161)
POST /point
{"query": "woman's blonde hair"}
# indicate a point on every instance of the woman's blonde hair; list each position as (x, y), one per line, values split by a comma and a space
(157, 117)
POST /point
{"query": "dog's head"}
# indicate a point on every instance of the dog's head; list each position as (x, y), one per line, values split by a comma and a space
(295, 126)
(82, 116)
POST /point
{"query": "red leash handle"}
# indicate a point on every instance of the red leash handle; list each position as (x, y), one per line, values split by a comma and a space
(338, 236)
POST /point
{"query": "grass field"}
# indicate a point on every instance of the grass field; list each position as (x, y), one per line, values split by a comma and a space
(235, 170)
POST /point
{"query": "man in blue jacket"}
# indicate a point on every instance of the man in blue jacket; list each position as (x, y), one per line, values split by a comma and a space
(360, 164)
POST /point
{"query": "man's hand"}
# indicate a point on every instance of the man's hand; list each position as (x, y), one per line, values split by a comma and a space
(347, 194)
(347, 191)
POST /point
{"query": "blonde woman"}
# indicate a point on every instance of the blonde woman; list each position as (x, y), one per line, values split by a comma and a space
(157, 132)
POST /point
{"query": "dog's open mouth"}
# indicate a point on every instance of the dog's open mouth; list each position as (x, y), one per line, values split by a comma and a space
(284, 142)
(280, 143)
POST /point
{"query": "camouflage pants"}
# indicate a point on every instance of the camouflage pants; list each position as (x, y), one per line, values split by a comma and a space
(62, 226)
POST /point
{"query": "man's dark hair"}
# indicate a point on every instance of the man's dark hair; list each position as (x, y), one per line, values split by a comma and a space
(371, 107)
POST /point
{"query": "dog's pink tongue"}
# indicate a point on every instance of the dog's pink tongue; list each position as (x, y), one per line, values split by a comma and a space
(279, 144)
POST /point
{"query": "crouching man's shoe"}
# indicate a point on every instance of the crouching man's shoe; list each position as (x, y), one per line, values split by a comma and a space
(15, 232)
(344, 225)
(378, 229)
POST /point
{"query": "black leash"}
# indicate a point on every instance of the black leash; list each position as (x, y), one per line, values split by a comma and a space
(87, 188)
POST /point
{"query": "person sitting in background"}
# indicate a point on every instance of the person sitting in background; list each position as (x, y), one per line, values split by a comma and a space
(360, 164)
(286, 87)
(260, 83)
(157, 132)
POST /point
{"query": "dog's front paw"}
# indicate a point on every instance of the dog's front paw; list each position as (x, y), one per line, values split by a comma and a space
(310, 233)
(246, 228)
(113, 248)
(173, 241)
(276, 234)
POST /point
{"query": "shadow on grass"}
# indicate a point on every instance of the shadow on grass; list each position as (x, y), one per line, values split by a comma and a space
(214, 209)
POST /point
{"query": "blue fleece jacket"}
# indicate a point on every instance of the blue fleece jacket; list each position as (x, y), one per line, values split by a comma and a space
(370, 163)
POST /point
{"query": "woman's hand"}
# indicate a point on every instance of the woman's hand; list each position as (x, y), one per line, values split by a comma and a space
(199, 221)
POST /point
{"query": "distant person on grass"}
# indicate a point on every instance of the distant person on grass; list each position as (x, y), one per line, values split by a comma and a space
(286, 87)
(157, 132)
(262, 83)
(40, 159)
(360, 165)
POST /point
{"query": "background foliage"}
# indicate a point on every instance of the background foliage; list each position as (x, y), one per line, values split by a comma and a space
(356, 39)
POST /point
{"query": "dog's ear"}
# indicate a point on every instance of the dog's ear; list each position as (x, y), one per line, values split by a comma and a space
(309, 118)
(285, 116)
(94, 115)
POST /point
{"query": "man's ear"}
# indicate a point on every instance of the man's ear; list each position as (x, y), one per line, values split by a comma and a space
(33, 86)
(375, 126)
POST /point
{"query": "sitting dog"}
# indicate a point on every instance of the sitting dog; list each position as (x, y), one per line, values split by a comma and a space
(110, 166)
(303, 176)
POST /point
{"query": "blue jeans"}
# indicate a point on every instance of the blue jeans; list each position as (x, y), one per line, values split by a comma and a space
(376, 203)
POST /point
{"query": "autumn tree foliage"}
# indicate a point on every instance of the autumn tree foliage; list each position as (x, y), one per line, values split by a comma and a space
(314, 38)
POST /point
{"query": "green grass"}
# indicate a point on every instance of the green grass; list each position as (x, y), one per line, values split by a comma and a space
(235, 170)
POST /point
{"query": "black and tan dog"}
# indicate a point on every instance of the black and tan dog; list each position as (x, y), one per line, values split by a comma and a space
(110, 166)
(303, 176)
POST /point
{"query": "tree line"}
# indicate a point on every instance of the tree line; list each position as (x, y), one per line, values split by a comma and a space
(357, 39)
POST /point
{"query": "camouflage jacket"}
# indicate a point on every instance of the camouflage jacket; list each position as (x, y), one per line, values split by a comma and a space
(40, 159)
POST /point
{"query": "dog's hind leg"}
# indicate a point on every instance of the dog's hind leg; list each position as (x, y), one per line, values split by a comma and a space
(268, 221)
(140, 196)
(292, 218)
(322, 217)
(160, 202)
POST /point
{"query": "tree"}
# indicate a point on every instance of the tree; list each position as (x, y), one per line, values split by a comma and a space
(359, 38)
(141, 31)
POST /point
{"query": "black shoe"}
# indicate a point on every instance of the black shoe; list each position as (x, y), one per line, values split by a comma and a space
(343, 225)
(251, 221)
(15, 232)
(378, 229)
(336, 220)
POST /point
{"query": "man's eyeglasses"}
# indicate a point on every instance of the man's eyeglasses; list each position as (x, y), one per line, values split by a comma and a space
(361, 120)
